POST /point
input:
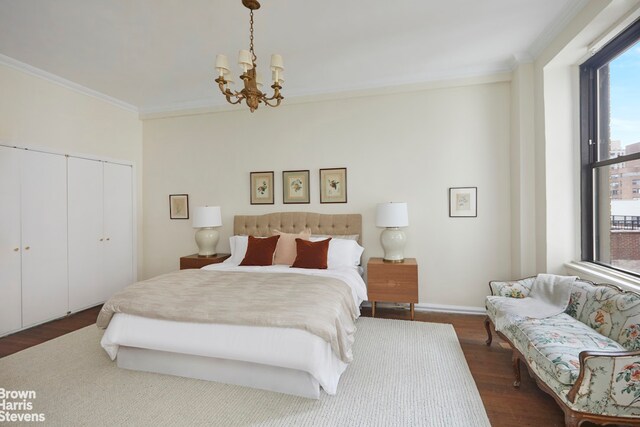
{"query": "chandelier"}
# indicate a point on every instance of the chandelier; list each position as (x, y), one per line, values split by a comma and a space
(251, 93)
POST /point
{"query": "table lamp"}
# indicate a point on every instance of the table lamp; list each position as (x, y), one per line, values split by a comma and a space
(205, 218)
(392, 216)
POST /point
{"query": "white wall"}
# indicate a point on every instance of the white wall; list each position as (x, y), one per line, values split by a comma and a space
(557, 132)
(523, 226)
(35, 112)
(400, 147)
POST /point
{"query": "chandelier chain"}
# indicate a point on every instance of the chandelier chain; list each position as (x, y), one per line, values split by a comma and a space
(253, 54)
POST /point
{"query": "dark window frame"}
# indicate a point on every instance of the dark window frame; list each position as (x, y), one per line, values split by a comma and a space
(589, 137)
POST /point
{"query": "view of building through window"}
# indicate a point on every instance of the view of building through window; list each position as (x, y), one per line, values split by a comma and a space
(617, 204)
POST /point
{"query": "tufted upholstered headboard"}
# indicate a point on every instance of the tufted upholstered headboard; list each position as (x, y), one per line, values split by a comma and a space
(294, 222)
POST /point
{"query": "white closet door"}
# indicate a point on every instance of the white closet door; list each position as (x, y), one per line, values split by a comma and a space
(86, 235)
(118, 226)
(10, 286)
(44, 237)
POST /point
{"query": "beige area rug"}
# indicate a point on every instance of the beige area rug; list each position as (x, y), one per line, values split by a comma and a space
(403, 374)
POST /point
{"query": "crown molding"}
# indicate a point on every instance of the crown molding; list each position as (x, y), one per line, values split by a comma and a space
(552, 30)
(498, 74)
(68, 84)
(518, 59)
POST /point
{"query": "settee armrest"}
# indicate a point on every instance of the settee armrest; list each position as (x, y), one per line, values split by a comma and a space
(609, 380)
(515, 288)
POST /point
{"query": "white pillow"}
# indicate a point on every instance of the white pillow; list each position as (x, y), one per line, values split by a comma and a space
(342, 252)
(238, 245)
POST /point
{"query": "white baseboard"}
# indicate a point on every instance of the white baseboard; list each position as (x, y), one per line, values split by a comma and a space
(436, 308)
(443, 308)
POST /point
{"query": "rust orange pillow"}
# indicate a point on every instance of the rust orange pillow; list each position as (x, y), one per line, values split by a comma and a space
(286, 247)
(260, 251)
(311, 254)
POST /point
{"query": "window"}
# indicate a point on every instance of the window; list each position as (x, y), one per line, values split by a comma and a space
(610, 153)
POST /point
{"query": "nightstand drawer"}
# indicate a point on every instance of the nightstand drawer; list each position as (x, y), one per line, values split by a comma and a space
(392, 282)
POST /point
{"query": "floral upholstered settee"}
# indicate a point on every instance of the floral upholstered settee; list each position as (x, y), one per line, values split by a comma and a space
(587, 358)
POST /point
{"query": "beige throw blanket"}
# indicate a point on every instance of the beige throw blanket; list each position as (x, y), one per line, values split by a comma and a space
(549, 297)
(322, 306)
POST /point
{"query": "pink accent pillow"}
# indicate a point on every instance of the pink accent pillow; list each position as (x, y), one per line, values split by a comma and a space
(286, 247)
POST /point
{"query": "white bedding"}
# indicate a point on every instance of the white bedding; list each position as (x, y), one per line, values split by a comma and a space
(283, 347)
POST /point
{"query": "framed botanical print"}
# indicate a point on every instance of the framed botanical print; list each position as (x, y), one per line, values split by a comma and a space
(463, 202)
(333, 185)
(261, 188)
(178, 206)
(295, 187)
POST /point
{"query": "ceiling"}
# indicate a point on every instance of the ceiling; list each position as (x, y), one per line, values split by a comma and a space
(158, 55)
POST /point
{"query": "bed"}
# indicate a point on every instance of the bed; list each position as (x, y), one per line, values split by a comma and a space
(282, 359)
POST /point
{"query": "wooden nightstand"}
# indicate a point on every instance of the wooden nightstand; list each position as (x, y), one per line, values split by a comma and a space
(197, 261)
(392, 282)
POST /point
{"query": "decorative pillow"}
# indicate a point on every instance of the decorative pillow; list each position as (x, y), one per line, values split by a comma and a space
(238, 246)
(286, 247)
(311, 254)
(260, 251)
(342, 253)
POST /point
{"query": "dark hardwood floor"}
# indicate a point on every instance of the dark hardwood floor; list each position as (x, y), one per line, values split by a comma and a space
(490, 366)
(48, 331)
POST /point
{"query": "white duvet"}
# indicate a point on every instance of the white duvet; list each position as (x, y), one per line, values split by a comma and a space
(283, 347)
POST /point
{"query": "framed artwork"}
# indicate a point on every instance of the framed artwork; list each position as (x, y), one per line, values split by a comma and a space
(333, 185)
(463, 202)
(178, 206)
(261, 188)
(295, 187)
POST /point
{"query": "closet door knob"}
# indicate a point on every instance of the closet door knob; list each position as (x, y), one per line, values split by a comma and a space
(108, 238)
(101, 240)
(16, 249)
(26, 248)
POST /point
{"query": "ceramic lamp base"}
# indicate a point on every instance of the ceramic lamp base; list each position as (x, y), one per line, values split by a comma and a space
(393, 240)
(207, 240)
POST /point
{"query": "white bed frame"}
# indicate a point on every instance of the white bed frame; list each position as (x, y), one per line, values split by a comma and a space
(265, 377)
(255, 375)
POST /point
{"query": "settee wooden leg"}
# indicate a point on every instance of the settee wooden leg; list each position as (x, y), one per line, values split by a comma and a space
(487, 326)
(516, 368)
(570, 419)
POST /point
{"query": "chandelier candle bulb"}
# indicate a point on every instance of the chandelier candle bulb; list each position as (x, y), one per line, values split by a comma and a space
(259, 80)
(229, 77)
(222, 64)
(277, 77)
(245, 60)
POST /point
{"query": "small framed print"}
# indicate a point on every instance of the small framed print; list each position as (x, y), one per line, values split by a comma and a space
(463, 202)
(261, 188)
(333, 185)
(178, 206)
(295, 187)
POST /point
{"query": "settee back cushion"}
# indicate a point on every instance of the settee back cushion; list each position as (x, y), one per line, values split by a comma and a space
(612, 313)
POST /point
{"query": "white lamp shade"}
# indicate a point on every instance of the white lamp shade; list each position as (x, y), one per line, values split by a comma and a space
(276, 62)
(392, 214)
(229, 77)
(244, 59)
(207, 216)
(222, 64)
